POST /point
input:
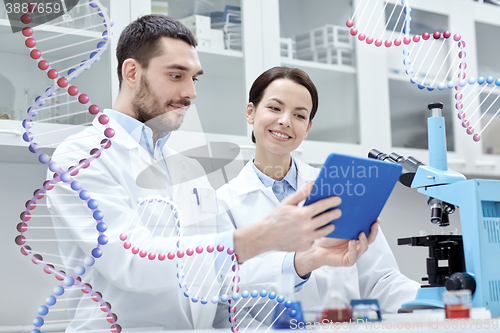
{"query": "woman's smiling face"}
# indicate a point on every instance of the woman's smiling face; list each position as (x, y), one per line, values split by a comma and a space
(281, 120)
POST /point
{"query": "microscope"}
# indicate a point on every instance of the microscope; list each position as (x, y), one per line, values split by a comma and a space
(473, 258)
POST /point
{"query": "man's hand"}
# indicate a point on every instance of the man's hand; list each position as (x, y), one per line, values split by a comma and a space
(334, 252)
(288, 227)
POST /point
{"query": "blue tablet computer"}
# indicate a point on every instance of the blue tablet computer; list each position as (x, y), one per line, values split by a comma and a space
(364, 185)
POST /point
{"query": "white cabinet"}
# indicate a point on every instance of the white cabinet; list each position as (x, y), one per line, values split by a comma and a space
(265, 26)
(487, 32)
(366, 100)
(325, 50)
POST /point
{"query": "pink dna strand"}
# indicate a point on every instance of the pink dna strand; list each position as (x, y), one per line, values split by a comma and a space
(431, 59)
(156, 231)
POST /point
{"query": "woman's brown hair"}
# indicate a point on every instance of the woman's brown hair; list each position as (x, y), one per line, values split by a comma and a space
(260, 85)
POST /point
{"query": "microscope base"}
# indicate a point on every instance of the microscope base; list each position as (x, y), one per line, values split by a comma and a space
(427, 298)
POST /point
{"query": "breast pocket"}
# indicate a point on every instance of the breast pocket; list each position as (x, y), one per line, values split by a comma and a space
(198, 208)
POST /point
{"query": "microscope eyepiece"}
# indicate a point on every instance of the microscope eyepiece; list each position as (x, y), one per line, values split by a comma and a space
(377, 154)
(437, 105)
(396, 157)
(436, 109)
(410, 164)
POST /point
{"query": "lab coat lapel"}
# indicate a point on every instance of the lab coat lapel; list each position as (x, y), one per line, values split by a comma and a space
(305, 173)
(176, 169)
(147, 173)
(182, 178)
(248, 182)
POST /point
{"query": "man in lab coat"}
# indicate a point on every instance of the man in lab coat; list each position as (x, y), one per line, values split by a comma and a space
(157, 68)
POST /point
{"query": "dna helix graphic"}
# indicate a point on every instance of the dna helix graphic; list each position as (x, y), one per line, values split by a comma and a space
(36, 229)
(429, 59)
(37, 233)
(152, 239)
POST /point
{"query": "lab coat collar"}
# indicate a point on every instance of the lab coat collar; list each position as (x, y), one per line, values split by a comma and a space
(290, 177)
(175, 165)
(121, 136)
(131, 125)
(247, 181)
(174, 162)
(134, 127)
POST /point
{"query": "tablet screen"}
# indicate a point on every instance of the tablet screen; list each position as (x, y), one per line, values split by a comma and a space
(364, 185)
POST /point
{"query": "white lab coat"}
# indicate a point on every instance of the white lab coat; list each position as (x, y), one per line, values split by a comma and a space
(142, 293)
(374, 276)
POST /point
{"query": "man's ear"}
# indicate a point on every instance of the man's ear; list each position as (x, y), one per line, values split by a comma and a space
(249, 112)
(131, 72)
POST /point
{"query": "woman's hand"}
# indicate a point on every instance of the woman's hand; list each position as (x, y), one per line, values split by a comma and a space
(334, 252)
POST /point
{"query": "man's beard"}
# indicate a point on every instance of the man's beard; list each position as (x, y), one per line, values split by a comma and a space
(149, 110)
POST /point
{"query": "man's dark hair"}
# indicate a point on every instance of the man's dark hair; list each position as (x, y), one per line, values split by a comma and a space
(140, 39)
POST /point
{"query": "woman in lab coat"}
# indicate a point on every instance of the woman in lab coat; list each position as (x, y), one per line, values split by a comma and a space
(282, 104)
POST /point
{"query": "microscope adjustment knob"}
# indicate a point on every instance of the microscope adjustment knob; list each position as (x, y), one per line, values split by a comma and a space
(459, 281)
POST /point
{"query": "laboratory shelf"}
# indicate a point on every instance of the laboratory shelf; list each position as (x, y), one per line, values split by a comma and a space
(15, 150)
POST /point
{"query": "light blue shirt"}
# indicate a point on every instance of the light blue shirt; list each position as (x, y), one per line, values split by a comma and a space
(282, 189)
(141, 133)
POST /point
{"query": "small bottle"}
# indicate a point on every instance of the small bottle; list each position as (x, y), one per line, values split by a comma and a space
(457, 303)
(336, 306)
